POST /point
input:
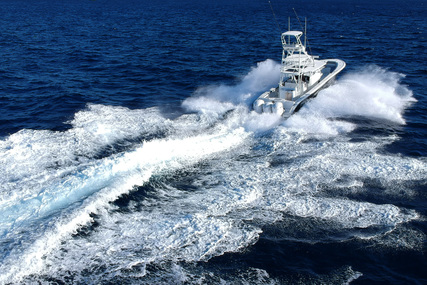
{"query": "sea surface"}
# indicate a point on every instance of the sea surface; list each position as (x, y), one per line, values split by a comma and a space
(129, 153)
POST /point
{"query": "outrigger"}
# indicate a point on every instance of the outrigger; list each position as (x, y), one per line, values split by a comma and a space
(302, 76)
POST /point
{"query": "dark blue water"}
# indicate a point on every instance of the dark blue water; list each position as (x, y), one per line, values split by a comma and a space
(129, 154)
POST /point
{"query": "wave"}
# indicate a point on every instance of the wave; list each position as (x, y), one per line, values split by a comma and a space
(94, 184)
(221, 98)
(370, 93)
(59, 220)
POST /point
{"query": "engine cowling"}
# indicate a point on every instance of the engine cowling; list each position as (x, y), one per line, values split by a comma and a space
(267, 108)
(258, 106)
(278, 108)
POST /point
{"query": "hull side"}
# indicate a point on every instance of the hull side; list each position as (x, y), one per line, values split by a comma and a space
(271, 97)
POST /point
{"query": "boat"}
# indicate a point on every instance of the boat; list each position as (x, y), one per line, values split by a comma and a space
(302, 76)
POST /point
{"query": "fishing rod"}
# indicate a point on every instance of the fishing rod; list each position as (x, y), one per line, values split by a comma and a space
(275, 19)
(306, 42)
(305, 30)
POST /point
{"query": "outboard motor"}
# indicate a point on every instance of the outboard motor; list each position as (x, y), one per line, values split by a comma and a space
(267, 107)
(258, 106)
(278, 108)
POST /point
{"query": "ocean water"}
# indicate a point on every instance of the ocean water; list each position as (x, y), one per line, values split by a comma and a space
(129, 153)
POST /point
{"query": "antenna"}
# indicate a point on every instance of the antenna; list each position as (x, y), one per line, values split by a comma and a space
(305, 32)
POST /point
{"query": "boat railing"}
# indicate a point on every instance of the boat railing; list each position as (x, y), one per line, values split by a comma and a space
(293, 47)
(295, 66)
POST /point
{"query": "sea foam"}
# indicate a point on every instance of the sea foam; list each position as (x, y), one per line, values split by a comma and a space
(371, 93)
(241, 182)
(221, 98)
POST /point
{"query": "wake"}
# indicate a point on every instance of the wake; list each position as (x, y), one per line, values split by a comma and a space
(255, 167)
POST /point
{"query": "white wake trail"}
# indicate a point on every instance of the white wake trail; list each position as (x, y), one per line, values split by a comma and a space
(98, 184)
(259, 171)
